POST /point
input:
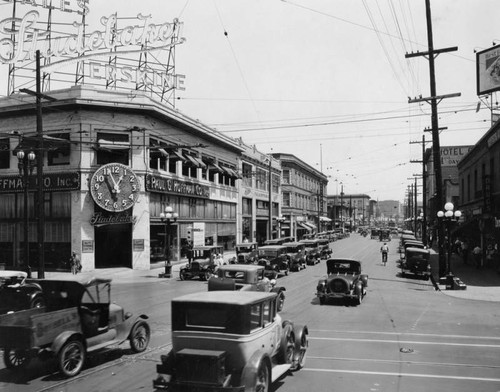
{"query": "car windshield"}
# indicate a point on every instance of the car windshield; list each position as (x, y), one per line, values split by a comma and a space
(311, 245)
(268, 252)
(293, 249)
(239, 276)
(244, 249)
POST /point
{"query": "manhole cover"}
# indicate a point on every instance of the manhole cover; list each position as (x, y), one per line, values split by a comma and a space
(406, 350)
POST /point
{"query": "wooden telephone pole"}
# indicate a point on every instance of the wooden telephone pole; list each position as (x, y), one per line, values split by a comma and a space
(431, 54)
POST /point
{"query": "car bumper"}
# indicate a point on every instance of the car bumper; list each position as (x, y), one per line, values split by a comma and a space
(161, 384)
(335, 295)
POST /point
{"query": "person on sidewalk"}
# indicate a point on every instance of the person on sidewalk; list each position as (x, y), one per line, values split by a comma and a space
(477, 253)
(465, 250)
(76, 265)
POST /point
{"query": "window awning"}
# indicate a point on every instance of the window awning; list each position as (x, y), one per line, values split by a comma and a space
(196, 162)
(163, 152)
(304, 226)
(230, 172)
(215, 166)
(104, 144)
(324, 219)
(177, 154)
(200, 162)
(29, 143)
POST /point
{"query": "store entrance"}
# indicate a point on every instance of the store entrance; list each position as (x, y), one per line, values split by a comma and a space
(113, 246)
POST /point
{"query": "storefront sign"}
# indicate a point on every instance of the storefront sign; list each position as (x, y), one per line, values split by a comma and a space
(87, 246)
(168, 185)
(450, 156)
(53, 182)
(101, 218)
(138, 245)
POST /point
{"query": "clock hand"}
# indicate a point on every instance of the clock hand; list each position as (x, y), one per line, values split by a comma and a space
(116, 188)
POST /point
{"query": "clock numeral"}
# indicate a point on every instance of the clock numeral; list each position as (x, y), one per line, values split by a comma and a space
(106, 202)
(115, 205)
(132, 178)
(131, 197)
(100, 178)
(124, 202)
(99, 195)
(97, 186)
(134, 188)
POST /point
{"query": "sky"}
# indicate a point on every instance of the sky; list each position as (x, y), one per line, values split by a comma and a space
(325, 80)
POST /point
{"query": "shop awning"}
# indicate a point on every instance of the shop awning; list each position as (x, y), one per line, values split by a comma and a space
(230, 172)
(177, 154)
(304, 226)
(29, 143)
(195, 161)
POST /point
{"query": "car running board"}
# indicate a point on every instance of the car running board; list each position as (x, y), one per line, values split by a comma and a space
(279, 371)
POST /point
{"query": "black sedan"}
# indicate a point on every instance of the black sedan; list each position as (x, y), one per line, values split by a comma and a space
(17, 293)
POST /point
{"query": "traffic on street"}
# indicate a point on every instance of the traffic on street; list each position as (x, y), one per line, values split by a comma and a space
(404, 335)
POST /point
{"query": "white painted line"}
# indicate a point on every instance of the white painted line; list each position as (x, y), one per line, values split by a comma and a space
(407, 342)
(408, 334)
(418, 375)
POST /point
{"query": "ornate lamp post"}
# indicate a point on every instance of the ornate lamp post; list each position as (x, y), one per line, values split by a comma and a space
(26, 165)
(448, 217)
(168, 217)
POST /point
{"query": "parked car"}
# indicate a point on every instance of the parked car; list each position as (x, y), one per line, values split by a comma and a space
(384, 235)
(275, 241)
(325, 250)
(344, 280)
(17, 293)
(246, 253)
(313, 251)
(203, 265)
(416, 262)
(274, 259)
(410, 244)
(296, 254)
(77, 318)
(246, 278)
(374, 233)
(233, 341)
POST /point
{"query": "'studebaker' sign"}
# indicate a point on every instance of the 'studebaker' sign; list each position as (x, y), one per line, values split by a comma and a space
(168, 185)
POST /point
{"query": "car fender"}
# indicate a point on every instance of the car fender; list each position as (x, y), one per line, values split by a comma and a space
(123, 329)
(63, 337)
(299, 331)
(249, 373)
(364, 279)
(277, 289)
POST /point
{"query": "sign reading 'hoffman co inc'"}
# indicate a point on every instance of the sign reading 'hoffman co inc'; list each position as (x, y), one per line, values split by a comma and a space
(51, 182)
(168, 185)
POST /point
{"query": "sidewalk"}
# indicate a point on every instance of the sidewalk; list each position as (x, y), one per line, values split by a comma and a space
(125, 275)
(482, 284)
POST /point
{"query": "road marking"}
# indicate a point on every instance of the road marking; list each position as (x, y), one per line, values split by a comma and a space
(408, 342)
(418, 375)
(474, 337)
(406, 362)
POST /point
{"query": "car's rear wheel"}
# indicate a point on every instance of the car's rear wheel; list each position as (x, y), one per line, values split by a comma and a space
(281, 301)
(71, 358)
(322, 300)
(300, 352)
(206, 275)
(263, 381)
(139, 337)
(16, 358)
(182, 275)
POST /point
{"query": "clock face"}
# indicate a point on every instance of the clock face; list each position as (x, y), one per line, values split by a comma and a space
(114, 187)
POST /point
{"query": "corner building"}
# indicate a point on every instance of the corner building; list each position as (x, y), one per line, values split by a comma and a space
(178, 162)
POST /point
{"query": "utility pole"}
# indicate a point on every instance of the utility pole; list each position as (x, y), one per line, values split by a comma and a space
(431, 54)
(424, 190)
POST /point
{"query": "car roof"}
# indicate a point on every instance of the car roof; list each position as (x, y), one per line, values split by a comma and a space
(417, 250)
(295, 243)
(309, 241)
(246, 243)
(241, 267)
(13, 274)
(272, 247)
(226, 297)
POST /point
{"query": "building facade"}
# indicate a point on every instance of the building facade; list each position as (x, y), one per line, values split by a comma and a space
(479, 190)
(125, 159)
(303, 204)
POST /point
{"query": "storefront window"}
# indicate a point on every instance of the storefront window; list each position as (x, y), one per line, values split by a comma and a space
(61, 155)
(4, 153)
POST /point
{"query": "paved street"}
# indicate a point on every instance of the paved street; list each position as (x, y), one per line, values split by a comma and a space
(405, 336)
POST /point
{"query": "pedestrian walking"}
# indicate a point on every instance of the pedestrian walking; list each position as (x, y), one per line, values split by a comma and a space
(477, 254)
(465, 251)
(75, 263)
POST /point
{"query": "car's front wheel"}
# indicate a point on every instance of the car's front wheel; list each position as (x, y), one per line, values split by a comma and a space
(182, 275)
(71, 358)
(287, 345)
(139, 337)
(16, 358)
(37, 302)
(263, 381)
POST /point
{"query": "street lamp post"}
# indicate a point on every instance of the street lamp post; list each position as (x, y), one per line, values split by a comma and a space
(26, 164)
(168, 217)
(448, 217)
(280, 221)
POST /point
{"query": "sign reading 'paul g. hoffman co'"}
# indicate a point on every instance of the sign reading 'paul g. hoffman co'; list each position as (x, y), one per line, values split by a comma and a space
(52, 182)
(167, 185)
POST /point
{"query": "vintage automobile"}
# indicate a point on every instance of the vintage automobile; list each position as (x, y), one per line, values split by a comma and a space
(410, 244)
(275, 241)
(325, 250)
(404, 238)
(229, 342)
(203, 265)
(78, 317)
(274, 259)
(416, 262)
(384, 235)
(343, 280)
(296, 253)
(374, 233)
(313, 251)
(18, 293)
(246, 253)
(245, 278)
